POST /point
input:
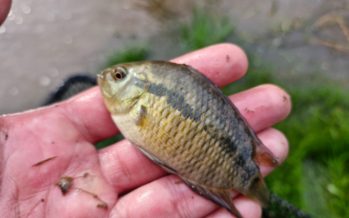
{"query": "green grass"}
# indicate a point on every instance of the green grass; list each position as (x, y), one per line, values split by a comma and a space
(127, 54)
(315, 175)
(318, 131)
(203, 30)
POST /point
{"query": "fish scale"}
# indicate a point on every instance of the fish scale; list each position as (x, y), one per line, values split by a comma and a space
(181, 153)
(184, 123)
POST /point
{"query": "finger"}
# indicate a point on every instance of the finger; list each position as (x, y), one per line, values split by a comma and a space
(222, 63)
(277, 143)
(125, 167)
(170, 197)
(262, 106)
(247, 207)
(89, 115)
(227, 62)
(166, 197)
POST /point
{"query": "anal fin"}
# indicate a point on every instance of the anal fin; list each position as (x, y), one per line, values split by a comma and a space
(141, 114)
(259, 191)
(222, 197)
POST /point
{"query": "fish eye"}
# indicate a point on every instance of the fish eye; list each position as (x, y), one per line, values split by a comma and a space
(118, 74)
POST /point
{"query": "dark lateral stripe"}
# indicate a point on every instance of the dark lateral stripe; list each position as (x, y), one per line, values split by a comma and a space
(177, 101)
(174, 99)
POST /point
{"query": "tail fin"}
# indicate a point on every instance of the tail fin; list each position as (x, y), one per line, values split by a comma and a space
(285, 208)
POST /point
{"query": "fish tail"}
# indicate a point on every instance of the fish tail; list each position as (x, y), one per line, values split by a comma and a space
(287, 208)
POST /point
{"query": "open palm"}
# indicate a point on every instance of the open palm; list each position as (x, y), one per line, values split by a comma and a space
(50, 168)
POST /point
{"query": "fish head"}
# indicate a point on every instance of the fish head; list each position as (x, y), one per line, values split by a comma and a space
(119, 86)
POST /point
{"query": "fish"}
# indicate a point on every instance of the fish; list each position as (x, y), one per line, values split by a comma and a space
(184, 123)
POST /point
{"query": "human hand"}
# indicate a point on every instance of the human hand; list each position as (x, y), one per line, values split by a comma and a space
(40, 147)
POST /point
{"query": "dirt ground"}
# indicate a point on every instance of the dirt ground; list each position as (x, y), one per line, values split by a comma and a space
(44, 41)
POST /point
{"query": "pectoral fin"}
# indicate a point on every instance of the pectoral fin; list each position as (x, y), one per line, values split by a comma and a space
(141, 114)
